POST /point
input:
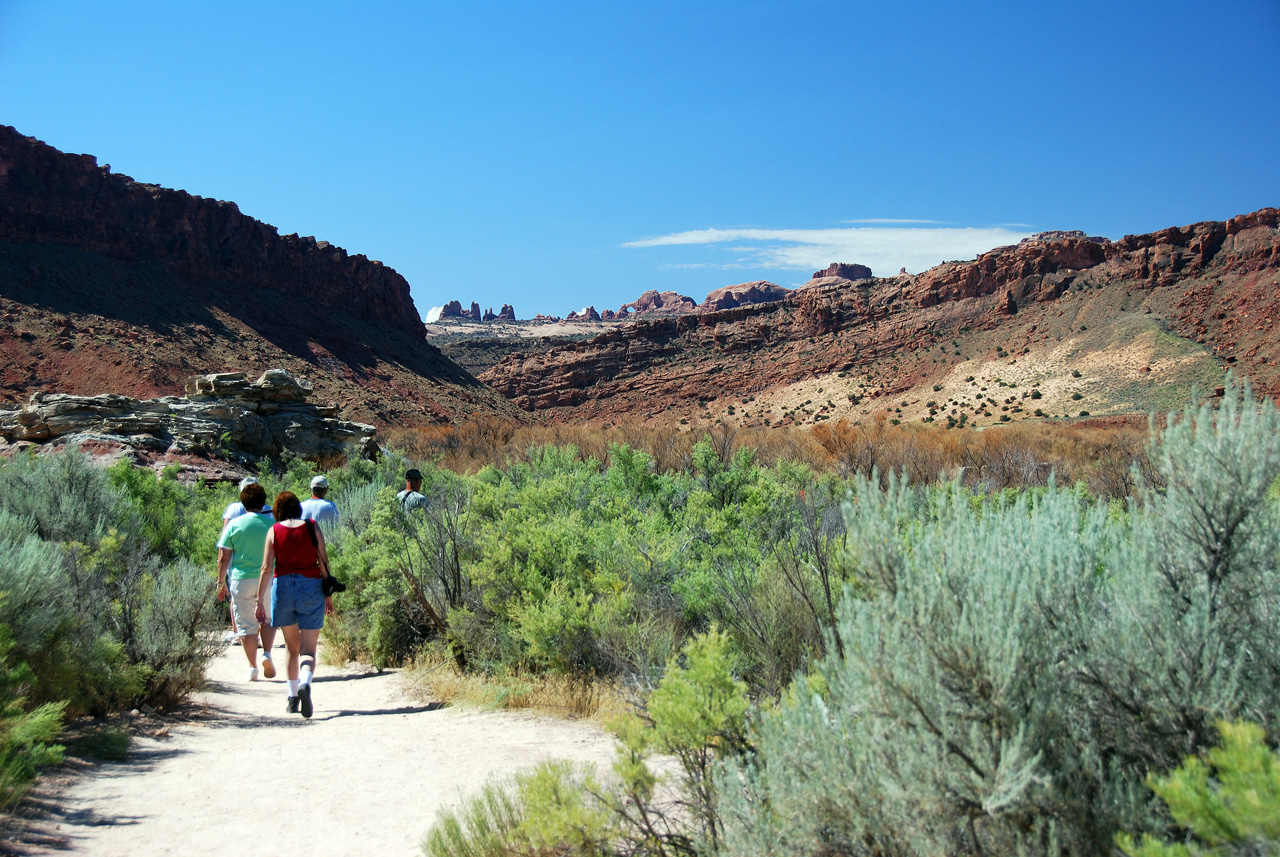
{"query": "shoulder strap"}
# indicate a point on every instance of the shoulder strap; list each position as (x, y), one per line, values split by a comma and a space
(315, 543)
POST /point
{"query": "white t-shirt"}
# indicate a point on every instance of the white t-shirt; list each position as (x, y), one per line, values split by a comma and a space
(236, 509)
(322, 512)
(410, 500)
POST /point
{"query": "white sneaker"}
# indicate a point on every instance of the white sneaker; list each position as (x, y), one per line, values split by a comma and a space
(253, 674)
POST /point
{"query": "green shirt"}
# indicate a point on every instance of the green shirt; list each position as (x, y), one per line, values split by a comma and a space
(246, 538)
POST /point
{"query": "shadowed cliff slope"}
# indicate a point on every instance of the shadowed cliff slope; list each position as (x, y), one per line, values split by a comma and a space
(112, 285)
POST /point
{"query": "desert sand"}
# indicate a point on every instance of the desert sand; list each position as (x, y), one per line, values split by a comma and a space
(366, 775)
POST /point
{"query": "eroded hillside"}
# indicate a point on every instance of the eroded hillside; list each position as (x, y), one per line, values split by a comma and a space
(1060, 325)
(112, 285)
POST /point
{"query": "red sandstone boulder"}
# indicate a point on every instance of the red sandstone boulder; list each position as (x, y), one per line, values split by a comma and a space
(654, 302)
(744, 294)
(844, 270)
(453, 309)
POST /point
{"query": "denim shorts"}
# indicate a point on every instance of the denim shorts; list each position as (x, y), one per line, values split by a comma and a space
(297, 600)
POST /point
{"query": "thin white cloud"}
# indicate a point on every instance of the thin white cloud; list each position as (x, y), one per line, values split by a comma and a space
(433, 314)
(884, 249)
(699, 236)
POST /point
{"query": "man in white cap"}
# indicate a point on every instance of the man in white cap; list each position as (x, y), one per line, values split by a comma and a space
(317, 508)
(236, 509)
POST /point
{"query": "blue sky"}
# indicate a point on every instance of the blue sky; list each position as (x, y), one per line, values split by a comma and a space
(552, 155)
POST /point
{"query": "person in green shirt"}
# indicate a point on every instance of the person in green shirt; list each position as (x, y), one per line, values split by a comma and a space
(240, 552)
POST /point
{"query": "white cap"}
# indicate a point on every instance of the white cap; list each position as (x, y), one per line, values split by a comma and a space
(247, 481)
(319, 482)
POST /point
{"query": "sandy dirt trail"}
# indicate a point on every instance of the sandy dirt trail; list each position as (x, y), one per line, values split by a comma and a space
(366, 775)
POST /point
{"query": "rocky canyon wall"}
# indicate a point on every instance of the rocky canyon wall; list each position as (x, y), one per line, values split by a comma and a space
(1215, 283)
(50, 197)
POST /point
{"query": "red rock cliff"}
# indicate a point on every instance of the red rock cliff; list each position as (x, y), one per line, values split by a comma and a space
(1217, 283)
(50, 197)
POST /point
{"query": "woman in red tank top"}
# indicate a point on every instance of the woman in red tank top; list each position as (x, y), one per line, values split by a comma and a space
(295, 562)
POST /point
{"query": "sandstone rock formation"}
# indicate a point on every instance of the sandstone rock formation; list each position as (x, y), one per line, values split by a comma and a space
(223, 414)
(758, 292)
(49, 197)
(588, 314)
(654, 302)
(1212, 283)
(111, 284)
(453, 309)
(1063, 235)
(844, 271)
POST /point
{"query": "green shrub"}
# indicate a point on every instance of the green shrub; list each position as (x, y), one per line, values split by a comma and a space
(63, 496)
(165, 508)
(101, 619)
(698, 715)
(58, 609)
(1022, 666)
(551, 809)
(26, 736)
(167, 622)
(1231, 805)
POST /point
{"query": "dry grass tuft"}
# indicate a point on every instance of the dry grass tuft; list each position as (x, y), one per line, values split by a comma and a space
(434, 676)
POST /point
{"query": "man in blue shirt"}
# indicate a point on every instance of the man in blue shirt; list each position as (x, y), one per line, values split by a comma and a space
(317, 508)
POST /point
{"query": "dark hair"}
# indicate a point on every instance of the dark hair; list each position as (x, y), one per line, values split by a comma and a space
(287, 506)
(253, 497)
(413, 475)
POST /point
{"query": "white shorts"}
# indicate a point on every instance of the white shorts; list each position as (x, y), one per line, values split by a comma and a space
(244, 605)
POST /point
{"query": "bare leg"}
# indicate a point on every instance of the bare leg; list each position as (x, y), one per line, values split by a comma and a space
(268, 635)
(293, 641)
(250, 644)
(309, 640)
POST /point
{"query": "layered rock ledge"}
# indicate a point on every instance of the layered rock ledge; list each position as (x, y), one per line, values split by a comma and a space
(224, 415)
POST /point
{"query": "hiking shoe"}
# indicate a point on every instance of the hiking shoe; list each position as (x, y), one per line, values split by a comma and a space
(292, 706)
(253, 674)
(304, 700)
(268, 668)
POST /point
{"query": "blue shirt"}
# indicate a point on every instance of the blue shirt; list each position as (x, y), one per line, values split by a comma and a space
(322, 512)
